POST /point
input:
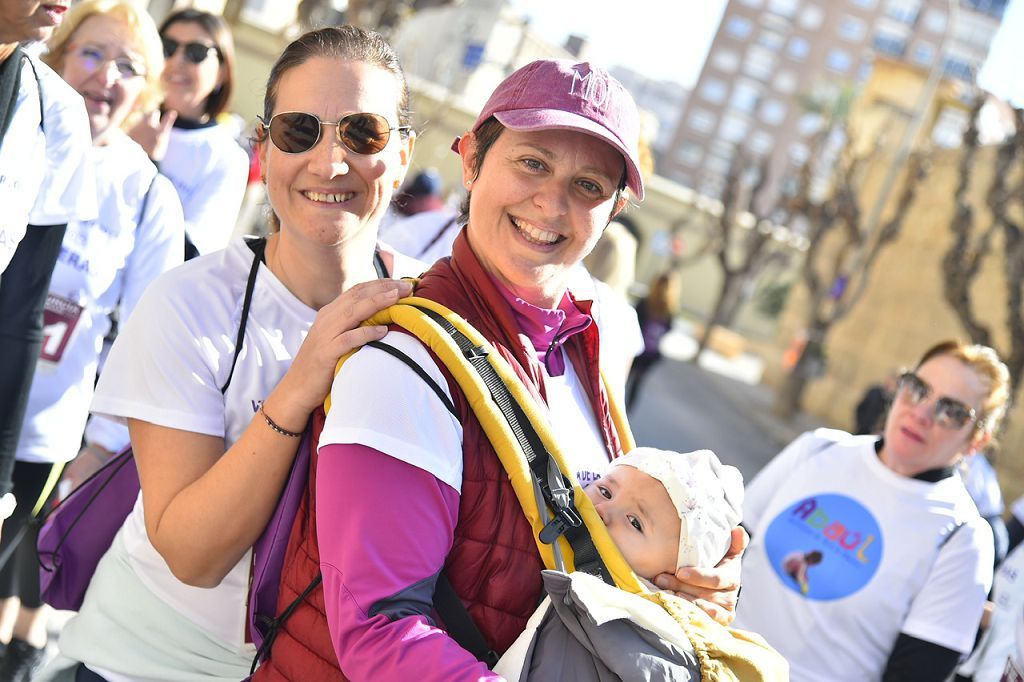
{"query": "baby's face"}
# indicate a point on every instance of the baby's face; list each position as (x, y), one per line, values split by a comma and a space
(640, 517)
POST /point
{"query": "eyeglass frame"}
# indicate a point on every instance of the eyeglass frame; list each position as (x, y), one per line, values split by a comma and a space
(403, 130)
(139, 69)
(184, 45)
(942, 403)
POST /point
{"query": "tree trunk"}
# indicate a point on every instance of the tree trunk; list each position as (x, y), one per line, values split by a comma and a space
(719, 315)
(789, 399)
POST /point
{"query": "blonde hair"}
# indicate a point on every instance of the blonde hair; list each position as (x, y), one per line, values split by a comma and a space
(990, 369)
(143, 28)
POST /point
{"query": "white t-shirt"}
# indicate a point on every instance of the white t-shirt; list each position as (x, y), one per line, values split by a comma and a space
(999, 641)
(102, 264)
(45, 174)
(427, 235)
(882, 571)
(167, 367)
(378, 401)
(209, 169)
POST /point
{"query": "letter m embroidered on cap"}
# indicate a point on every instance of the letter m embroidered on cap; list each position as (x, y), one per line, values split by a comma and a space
(592, 87)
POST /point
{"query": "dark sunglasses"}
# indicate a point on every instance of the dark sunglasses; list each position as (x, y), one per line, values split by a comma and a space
(195, 51)
(950, 413)
(294, 132)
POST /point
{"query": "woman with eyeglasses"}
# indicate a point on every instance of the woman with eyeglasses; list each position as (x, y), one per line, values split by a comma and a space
(906, 559)
(109, 52)
(214, 424)
(194, 141)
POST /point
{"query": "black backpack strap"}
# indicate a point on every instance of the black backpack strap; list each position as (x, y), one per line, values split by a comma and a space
(557, 493)
(378, 265)
(275, 624)
(257, 246)
(394, 352)
(440, 233)
(459, 623)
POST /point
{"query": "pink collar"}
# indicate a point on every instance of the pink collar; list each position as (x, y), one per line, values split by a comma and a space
(546, 328)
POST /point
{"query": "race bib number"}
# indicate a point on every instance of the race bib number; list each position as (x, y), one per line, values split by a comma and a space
(1012, 672)
(60, 318)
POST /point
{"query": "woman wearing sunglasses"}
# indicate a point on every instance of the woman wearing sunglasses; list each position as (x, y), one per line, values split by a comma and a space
(109, 52)
(906, 560)
(214, 424)
(194, 141)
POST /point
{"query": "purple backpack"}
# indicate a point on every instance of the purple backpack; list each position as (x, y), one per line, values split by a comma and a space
(79, 531)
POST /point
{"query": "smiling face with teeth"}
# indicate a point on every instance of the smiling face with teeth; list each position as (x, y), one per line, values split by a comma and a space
(109, 98)
(330, 194)
(540, 202)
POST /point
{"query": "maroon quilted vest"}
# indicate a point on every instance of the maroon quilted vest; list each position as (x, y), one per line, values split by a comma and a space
(493, 565)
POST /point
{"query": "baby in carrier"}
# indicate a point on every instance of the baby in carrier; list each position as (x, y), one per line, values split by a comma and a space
(663, 510)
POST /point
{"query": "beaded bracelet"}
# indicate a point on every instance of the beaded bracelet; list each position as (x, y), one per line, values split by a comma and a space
(273, 425)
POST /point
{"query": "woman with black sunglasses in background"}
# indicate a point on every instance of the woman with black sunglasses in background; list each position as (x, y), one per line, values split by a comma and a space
(906, 560)
(215, 426)
(194, 141)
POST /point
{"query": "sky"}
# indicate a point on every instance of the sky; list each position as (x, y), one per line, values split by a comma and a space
(668, 39)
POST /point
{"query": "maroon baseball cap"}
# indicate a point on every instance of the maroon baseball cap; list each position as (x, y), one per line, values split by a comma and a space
(560, 94)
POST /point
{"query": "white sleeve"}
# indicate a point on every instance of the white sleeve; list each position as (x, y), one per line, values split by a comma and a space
(378, 401)
(69, 187)
(759, 492)
(161, 368)
(159, 243)
(107, 433)
(948, 608)
(211, 213)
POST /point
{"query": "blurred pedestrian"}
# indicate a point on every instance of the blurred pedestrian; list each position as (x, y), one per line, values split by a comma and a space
(109, 51)
(655, 313)
(870, 412)
(193, 137)
(46, 180)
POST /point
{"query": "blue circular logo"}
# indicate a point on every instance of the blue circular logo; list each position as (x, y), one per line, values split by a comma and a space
(825, 546)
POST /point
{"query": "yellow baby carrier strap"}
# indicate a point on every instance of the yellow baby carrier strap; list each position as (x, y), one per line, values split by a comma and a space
(464, 352)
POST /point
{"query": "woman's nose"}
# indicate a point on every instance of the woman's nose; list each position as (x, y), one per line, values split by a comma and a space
(329, 158)
(551, 198)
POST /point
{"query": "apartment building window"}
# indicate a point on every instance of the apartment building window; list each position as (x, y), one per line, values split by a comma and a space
(866, 4)
(949, 127)
(799, 48)
(744, 97)
(773, 111)
(993, 8)
(923, 53)
(811, 17)
(714, 90)
(720, 157)
(935, 20)
(809, 124)
(890, 43)
(772, 40)
(904, 11)
(756, 4)
(734, 128)
(761, 143)
(690, 154)
(785, 82)
(726, 60)
(784, 8)
(759, 63)
(839, 60)
(738, 27)
(852, 29)
(975, 32)
(798, 153)
(702, 120)
(959, 68)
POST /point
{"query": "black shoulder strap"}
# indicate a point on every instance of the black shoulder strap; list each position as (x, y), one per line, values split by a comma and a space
(459, 624)
(257, 246)
(378, 265)
(39, 92)
(440, 233)
(394, 352)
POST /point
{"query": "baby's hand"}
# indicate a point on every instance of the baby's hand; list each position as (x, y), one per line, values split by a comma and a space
(714, 590)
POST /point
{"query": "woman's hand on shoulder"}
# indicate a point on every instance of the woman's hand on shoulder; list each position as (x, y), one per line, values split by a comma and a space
(714, 590)
(334, 333)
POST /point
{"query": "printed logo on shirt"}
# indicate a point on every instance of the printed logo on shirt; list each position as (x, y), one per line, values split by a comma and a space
(60, 319)
(824, 547)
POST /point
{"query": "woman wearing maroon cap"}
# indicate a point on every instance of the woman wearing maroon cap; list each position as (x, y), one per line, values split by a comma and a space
(405, 488)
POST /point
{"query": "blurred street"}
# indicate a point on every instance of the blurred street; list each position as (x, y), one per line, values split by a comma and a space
(717, 406)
